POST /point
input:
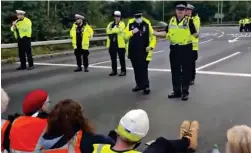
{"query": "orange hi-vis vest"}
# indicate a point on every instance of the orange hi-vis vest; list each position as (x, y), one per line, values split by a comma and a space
(73, 146)
(26, 134)
(4, 124)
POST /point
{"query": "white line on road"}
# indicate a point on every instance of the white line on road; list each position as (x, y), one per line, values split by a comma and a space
(108, 61)
(205, 41)
(154, 70)
(224, 73)
(130, 68)
(215, 62)
(222, 34)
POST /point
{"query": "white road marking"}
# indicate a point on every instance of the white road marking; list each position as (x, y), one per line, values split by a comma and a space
(222, 34)
(108, 61)
(234, 40)
(101, 62)
(202, 42)
(203, 36)
(215, 62)
(224, 73)
(153, 70)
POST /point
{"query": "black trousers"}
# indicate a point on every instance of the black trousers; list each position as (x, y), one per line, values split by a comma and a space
(113, 51)
(194, 59)
(24, 47)
(140, 67)
(180, 61)
(162, 145)
(241, 28)
(81, 53)
(246, 27)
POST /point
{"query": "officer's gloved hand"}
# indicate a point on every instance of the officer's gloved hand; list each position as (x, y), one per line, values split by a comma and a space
(135, 30)
(155, 33)
(196, 35)
(148, 48)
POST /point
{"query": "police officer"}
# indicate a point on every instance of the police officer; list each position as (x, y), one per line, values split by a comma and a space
(241, 24)
(195, 41)
(249, 25)
(246, 21)
(141, 41)
(116, 43)
(178, 32)
(22, 29)
(81, 33)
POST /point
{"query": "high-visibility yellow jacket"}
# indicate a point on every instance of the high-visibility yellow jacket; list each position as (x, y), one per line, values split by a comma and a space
(23, 28)
(87, 34)
(195, 41)
(246, 21)
(119, 31)
(105, 148)
(241, 22)
(179, 33)
(152, 38)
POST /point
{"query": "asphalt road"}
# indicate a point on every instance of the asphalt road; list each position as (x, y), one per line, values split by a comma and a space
(220, 98)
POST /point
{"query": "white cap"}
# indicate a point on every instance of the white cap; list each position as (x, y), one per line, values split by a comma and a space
(189, 6)
(4, 101)
(20, 12)
(134, 125)
(79, 16)
(117, 13)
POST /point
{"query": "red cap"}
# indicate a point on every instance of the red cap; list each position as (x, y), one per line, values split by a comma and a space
(34, 101)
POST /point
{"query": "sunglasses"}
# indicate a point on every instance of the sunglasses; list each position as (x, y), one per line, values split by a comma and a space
(137, 16)
(77, 18)
(180, 8)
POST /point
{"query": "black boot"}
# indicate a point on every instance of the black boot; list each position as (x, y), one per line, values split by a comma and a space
(78, 69)
(86, 69)
(21, 68)
(191, 82)
(184, 97)
(30, 67)
(113, 73)
(122, 74)
(174, 95)
(146, 91)
(136, 89)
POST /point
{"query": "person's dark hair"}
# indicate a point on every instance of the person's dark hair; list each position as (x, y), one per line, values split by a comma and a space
(66, 117)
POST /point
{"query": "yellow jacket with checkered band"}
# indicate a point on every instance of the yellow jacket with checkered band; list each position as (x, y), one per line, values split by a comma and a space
(129, 34)
(87, 34)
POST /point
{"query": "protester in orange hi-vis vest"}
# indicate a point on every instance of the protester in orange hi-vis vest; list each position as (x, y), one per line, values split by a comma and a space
(26, 131)
(69, 130)
(4, 123)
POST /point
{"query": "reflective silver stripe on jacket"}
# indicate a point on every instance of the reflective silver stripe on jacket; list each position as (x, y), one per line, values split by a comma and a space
(100, 146)
(3, 122)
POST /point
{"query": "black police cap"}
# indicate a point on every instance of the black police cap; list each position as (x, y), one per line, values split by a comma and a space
(138, 13)
(180, 4)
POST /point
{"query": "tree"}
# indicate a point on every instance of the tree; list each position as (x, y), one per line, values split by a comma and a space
(99, 13)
